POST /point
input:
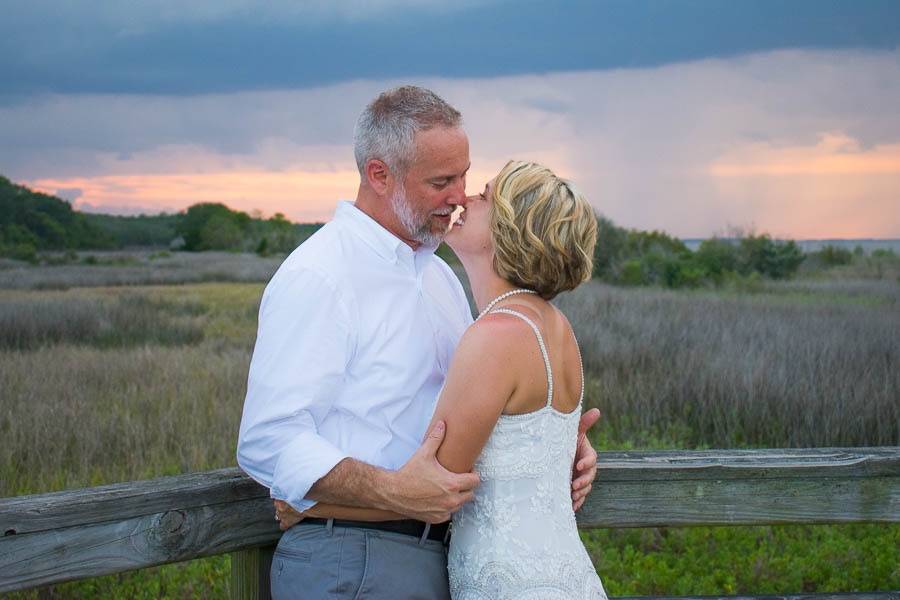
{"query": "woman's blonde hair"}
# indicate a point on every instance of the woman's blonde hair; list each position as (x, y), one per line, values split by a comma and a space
(542, 228)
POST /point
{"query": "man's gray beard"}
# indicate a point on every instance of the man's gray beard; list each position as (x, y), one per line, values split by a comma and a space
(417, 228)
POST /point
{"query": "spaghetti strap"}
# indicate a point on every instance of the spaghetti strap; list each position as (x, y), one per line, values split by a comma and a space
(540, 339)
(580, 364)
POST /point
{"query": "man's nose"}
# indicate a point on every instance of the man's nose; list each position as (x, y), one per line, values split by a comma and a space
(458, 197)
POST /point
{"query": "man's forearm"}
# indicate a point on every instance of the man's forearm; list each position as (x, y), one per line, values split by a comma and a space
(354, 483)
(421, 489)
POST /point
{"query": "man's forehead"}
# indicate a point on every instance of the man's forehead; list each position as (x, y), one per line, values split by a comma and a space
(447, 147)
(441, 139)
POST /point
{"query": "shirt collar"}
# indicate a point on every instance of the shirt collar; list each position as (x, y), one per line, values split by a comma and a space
(386, 244)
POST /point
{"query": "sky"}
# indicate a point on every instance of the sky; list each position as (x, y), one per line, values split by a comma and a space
(690, 116)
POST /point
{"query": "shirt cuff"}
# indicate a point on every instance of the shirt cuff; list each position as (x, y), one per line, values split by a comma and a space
(301, 464)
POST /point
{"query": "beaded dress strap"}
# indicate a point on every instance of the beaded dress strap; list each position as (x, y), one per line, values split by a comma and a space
(540, 339)
(580, 366)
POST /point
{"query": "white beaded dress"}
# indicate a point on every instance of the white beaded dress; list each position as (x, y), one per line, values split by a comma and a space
(518, 538)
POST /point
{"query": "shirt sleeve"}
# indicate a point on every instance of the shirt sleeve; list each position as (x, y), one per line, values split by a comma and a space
(303, 346)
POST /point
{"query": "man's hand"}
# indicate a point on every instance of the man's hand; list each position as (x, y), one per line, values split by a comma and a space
(286, 515)
(585, 468)
(423, 489)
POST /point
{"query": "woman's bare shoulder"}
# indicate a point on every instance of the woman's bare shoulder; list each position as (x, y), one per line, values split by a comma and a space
(498, 333)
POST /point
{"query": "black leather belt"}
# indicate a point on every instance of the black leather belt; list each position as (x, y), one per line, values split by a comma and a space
(409, 527)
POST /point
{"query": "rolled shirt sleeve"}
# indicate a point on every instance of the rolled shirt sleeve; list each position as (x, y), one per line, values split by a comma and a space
(303, 346)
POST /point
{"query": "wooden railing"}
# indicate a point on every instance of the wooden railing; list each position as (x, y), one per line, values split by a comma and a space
(51, 538)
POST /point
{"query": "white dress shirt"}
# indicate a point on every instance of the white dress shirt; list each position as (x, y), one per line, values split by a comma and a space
(356, 332)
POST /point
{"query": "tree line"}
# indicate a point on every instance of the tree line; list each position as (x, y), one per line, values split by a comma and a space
(32, 223)
(634, 257)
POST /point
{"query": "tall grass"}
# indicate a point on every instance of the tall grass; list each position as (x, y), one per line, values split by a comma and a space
(125, 319)
(139, 395)
(79, 416)
(811, 364)
(730, 371)
(98, 269)
(106, 385)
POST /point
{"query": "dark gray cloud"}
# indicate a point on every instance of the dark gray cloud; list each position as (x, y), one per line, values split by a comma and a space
(164, 47)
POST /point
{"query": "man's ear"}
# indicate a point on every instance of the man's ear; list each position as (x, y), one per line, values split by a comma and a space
(378, 176)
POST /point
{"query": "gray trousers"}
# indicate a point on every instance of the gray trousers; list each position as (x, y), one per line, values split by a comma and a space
(322, 561)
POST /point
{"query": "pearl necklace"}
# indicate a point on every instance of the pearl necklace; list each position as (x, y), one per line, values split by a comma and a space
(501, 297)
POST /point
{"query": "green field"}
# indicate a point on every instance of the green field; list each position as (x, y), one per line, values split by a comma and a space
(103, 384)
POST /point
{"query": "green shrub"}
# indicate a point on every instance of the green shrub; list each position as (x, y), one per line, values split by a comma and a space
(777, 259)
(21, 251)
(716, 257)
(631, 273)
(632, 257)
(832, 256)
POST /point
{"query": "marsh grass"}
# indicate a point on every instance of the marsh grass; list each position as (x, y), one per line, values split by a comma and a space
(729, 371)
(104, 321)
(164, 396)
(128, 268)
(799, 365)
(864, 292)
(78, 416)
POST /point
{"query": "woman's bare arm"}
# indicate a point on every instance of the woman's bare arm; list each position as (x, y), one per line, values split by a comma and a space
(481, 380)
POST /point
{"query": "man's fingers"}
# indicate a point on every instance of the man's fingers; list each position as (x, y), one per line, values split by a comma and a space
(467, 497)
(588, 462)
(582, 481)
(588, 458)
(587, 420)
(435, 436)
(468, 481)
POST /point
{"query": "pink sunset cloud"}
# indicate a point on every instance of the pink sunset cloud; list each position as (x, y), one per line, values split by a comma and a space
(301, 196)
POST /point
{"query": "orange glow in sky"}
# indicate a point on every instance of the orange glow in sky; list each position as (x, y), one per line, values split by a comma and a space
(302, 196)
(835, 154)
(833, 189)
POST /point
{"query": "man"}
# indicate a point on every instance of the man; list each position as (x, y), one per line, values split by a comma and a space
(356, 332)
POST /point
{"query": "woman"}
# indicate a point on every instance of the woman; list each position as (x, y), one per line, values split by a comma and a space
(512, 398)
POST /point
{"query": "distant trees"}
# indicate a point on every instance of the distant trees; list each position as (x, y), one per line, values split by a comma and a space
(834, 256)
(141, 230)
(776, 259)
(633, 257)
(278, 236)
(31, 222)
(213, 226)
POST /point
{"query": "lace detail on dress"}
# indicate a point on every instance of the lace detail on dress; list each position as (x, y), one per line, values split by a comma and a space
(518, 538)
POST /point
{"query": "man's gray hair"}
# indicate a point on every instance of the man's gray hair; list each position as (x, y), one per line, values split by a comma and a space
(386, 129)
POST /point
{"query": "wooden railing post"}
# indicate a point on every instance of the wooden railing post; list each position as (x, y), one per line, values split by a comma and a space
(250, 573)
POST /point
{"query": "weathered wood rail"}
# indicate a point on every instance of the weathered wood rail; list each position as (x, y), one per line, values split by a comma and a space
(51, 538)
